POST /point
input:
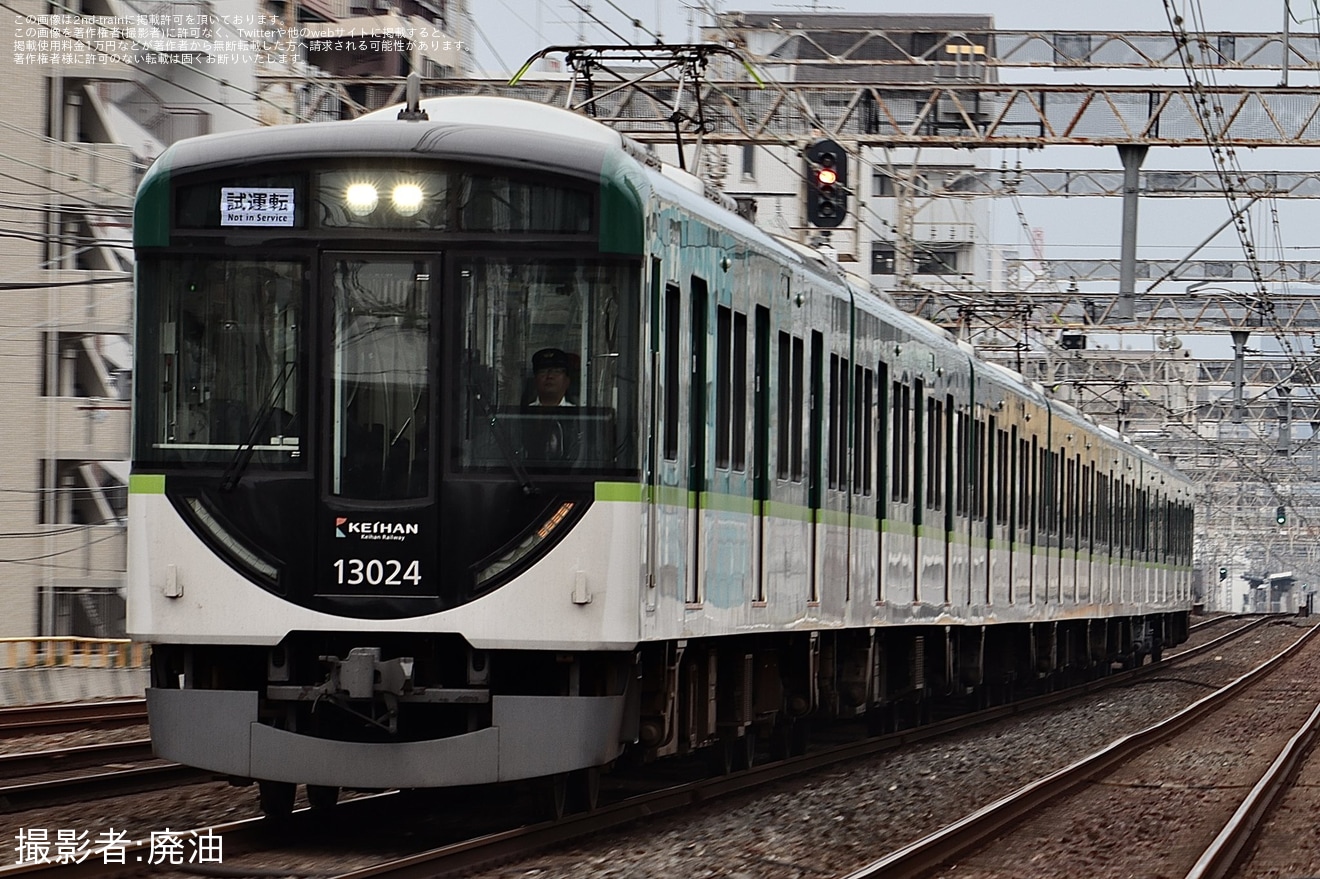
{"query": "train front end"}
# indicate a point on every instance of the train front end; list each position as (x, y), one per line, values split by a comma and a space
(367, 549)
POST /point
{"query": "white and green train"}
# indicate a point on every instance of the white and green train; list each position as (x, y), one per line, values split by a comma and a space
(365, 559)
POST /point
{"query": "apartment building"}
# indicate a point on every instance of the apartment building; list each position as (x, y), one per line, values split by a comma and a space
(97, 90)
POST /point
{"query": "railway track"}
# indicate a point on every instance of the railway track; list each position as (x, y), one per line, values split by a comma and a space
(20, 764)
(35, 779)
(506, 844)
(1141, 774)
(31, 719)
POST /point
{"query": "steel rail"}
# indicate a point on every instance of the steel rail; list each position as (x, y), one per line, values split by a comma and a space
(80, 788)
(972, 831)
(28, 719)
(1221, 856)
(54, 760)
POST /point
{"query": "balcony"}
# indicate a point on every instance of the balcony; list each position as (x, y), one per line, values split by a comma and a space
(103, 174)
(84, 427)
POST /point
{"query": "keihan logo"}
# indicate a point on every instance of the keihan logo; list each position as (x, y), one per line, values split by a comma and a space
(375, 530)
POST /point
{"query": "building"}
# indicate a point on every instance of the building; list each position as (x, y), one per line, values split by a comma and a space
(97, 89)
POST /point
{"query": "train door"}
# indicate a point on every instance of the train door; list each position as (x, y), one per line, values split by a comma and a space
(378, 523)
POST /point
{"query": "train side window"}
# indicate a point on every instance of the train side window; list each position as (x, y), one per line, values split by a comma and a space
(738, 440)
(1102, 510)
(834, 444)
(784, 405)
(980, 468)
(723, 382)
(901, 443)
(882, 439)
(917, 462)
(1034, 488)
(863, 392)
(730, 389)
(934, 454)
(672, 371)
(799, 402)
(1046, 493)
(1003, 451)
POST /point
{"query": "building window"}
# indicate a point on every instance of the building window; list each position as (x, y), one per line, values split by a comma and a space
(927, 259)
(86, 365)
(77, 492)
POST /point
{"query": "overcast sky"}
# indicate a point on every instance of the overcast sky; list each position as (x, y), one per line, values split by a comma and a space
(510, 31)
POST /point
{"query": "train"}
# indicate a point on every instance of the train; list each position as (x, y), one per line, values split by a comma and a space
(368, 555)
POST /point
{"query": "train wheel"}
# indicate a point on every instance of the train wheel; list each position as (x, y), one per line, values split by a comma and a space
(720, 757)
(789, 739)
(584, 789)
(276, 797)
(552, 796)
(745, 747)
(322, 796)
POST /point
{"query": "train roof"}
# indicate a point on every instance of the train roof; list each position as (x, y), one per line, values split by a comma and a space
(471, 129)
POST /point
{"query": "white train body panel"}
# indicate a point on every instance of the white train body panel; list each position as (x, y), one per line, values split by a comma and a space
(583, 596)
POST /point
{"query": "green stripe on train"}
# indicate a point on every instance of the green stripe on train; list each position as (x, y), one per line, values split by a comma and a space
(146, 483)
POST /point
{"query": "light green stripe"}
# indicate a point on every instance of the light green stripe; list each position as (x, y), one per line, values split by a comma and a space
(832, 517)
(790, 512)
(619, 491)
(894, 526)
(726, 503)
(146, 483)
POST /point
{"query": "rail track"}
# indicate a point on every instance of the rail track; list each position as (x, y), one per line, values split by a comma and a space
(1091, 798)
(30, 719)
(465, 854)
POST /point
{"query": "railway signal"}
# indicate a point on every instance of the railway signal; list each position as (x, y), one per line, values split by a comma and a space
(1281, 516)
(827, 183)
(1223, 572)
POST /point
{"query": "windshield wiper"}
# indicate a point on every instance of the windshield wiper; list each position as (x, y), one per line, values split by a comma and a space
(505, 446)
(234, 472)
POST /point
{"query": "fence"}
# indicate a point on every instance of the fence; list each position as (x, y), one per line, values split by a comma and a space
(68, 652)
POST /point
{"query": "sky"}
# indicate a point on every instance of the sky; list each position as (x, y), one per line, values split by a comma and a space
(510, 31)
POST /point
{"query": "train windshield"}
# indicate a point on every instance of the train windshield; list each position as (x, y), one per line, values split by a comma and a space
(218, 361)
(547, 376)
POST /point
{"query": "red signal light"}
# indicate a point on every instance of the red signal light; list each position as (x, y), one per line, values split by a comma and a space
(827, 176)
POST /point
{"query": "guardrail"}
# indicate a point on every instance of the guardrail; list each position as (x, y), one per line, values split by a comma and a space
(71, 652)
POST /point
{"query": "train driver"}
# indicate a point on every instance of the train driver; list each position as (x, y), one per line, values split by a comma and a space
(551, 368)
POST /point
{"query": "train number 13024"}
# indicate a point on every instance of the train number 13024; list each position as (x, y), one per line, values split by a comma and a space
(376, 572)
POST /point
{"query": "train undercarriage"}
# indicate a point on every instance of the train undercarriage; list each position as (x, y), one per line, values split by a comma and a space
(330, 711)
(740, 696)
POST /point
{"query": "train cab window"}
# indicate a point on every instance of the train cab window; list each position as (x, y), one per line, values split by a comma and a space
(519, 315)
(222, 383)
(379, 373)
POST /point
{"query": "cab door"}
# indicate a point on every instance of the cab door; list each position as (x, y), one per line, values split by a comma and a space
(378, 525)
